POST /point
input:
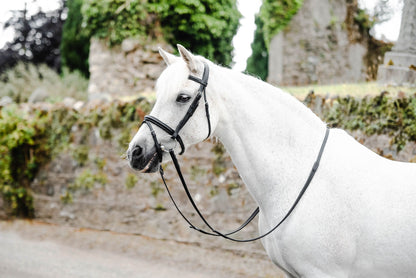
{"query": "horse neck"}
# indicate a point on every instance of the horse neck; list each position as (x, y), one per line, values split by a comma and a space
(272, 138)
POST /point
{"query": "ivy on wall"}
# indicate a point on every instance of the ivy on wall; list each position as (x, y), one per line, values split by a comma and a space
(382, 114)
(276, 14)
(32, 138)
(206, 27)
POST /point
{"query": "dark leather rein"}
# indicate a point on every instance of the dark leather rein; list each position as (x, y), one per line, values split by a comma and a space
(174, 133)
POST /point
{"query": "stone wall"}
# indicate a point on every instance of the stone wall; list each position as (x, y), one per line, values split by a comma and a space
(146, 209)
(320, 45)
(129, 69)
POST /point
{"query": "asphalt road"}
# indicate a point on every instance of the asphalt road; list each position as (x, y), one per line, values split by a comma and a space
(27, 258)
(33, 249)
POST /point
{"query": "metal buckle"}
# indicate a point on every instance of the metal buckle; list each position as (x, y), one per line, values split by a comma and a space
(167, 150)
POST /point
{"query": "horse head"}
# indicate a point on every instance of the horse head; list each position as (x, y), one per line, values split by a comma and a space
(179, 117)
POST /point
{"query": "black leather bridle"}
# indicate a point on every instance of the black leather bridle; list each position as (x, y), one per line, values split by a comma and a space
(174, 133)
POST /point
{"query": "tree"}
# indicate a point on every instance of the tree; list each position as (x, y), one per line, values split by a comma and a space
(206, 27)
(75, 45)
(258, 62)
(37, 39)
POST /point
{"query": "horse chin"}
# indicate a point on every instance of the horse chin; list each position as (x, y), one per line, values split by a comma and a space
(152, 165)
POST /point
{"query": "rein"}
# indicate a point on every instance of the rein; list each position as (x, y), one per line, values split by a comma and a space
(149, 120)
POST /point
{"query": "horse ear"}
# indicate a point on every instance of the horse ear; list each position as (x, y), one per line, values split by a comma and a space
(167, 57)
(189, 58)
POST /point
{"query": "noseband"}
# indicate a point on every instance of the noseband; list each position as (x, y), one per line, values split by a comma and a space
(174, 133)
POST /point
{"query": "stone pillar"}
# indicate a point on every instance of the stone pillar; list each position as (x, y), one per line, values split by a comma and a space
(399, 66)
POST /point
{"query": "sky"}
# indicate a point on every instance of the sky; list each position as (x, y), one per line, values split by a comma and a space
(245, 34)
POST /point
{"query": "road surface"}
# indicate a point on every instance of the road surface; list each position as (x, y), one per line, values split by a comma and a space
(33, 249)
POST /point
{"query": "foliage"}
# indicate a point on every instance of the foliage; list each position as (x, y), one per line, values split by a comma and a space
(155, 188)
(31, 138)
(75, 44)
(20, 137)
(258, 62)
(205, 26)
(381, 114)
(276, 14)
(114, 20)
(218, 165)
(80, 154)
(36, 39)
(22, 80)
(131, 180)
(84, 182)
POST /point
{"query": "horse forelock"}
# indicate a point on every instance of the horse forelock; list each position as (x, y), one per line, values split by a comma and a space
(172, 78)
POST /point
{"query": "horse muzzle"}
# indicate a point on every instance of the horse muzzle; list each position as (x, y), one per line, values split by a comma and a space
(145, 162)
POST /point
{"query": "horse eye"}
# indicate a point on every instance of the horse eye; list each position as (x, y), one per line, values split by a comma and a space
(183, 98)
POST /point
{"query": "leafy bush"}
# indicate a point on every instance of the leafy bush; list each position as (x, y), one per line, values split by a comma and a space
(114, 20)
(21, 81)
(21, 138)
(205, 26)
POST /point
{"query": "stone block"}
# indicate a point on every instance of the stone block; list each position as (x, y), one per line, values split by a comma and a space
(399, 59)
(396, 75)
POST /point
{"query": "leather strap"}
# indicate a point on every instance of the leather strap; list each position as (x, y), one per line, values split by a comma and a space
(174, 133)
(214, 232)
(149, 120)
(192, 226)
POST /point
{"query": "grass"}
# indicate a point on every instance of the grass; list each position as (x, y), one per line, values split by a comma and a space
(353, 89)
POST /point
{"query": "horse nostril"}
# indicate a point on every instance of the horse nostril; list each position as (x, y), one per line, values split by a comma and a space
(137, 152)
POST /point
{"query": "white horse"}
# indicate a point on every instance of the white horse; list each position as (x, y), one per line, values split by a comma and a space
(357, 218)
